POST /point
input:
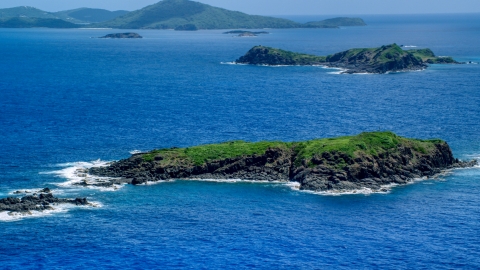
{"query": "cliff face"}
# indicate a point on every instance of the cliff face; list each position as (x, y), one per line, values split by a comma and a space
(389, 58)
(399, 162)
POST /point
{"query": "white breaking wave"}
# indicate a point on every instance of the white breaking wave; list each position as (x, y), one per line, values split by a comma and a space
(57, 209)
(77, 173)
(31, 191)
(384, 189)
(232, 63)
(410, 46)
(133, 152)
(234, 181)
(339, 70)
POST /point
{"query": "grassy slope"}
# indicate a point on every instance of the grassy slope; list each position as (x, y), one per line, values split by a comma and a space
(88, 15)
(297, 57)
(367, 143)
(429, 57)
(25, 12)
(378, 55)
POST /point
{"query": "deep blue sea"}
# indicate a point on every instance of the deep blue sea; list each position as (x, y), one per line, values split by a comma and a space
(68, 101)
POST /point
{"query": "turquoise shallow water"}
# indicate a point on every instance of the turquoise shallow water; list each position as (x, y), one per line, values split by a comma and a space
(67, 98)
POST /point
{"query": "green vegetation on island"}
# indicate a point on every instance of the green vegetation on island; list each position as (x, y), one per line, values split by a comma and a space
(429, 57)
(25, 11)
(364, 144)
(170, 14)
(88, 15)
(182, 15)
(174, 14)
(336, 22)
(26, 17)
(24, 22)
(368, 160)
(387, 58)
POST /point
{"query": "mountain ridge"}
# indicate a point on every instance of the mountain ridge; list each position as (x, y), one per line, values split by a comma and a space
(172, 14)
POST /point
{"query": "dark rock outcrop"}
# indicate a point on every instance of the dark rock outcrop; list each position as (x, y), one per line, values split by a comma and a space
(329, 170)
(123, 35)
(389, 58)
(36, 202)
(239, 32)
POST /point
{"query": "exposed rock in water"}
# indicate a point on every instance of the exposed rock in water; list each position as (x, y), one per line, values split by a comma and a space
(40, 202)
(123, 35)
(389, 58)
(246, 32)
(368, 160)
(44, 190)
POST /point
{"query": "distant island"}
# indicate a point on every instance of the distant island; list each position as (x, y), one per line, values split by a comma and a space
(368, 160)
(180, 15)
(244, 33)
(122, 35)
(77, 17)
(175, 14)
(388, 58)
(21, 22)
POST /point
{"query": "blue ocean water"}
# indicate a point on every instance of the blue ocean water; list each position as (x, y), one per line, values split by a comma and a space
(68, 100)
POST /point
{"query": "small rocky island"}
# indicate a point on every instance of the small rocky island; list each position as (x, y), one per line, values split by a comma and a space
(40, 201)
(242, 33)
(368, 160)
(388, 58)
(123, 35)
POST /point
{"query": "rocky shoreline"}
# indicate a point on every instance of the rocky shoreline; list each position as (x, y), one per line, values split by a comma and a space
(324, 171)
(381, 60)
(122, 35)
(41, 201)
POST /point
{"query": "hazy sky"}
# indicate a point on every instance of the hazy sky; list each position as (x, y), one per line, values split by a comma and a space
(273, 7)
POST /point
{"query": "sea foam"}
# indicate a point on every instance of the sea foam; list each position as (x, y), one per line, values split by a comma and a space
(6, 216)
(77, 172)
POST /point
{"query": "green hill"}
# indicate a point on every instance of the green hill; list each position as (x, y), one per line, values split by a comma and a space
(170, 14)
(89, 15)
(167, 14)
(25, 11)
(81, 15)
(25, 22)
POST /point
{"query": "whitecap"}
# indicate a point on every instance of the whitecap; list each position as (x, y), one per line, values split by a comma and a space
(133, 152)
(77, 173)
(410, 46)
(339, 70)
(232, 181)
(6, 216)
(384, 189)
(31, 191)
(233, 63)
